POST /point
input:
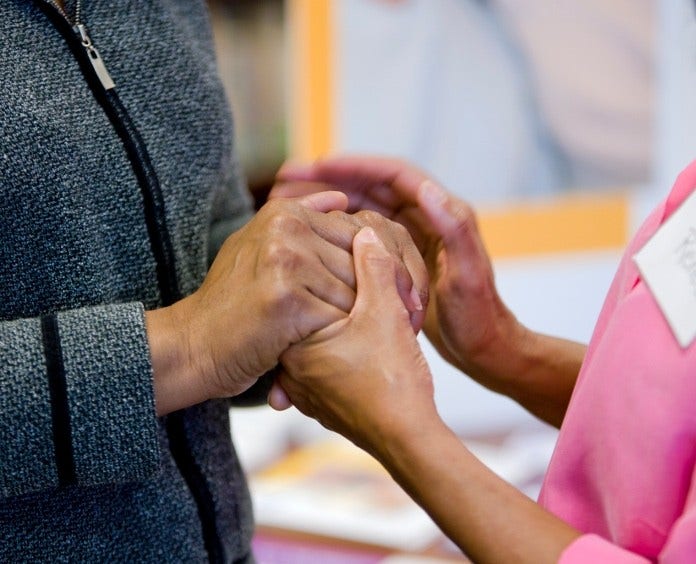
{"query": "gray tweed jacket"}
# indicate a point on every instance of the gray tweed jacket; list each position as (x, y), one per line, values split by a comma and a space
(112, 201)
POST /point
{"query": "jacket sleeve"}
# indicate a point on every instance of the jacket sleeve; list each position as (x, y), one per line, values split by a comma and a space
(77, 402)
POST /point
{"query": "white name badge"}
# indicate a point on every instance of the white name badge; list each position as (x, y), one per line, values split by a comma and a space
(667, 264)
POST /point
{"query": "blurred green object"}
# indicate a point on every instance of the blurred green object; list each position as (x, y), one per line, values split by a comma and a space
(250, 44)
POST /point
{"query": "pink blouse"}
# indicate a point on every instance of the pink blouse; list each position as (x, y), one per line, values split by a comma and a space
(623, 468)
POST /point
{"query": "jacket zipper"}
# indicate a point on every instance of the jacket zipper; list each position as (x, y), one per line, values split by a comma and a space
(81, 28)
(95, 58)
(103, 88)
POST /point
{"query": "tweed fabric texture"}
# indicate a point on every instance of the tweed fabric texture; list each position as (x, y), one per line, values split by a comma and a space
(74, 245)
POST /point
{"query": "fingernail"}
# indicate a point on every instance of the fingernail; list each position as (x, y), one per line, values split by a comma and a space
(432, 193)
(368, 235)
(415, 296)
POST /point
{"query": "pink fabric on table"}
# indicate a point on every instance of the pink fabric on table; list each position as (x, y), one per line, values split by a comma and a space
(623, 468)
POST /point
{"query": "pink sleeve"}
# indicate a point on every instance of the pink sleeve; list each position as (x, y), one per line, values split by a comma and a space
(679, 547)
(593, 548)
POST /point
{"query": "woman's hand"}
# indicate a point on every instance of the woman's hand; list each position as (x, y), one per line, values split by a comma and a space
(467, 321)
(364, 376)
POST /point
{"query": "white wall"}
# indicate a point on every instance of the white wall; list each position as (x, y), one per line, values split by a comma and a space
(676, 127)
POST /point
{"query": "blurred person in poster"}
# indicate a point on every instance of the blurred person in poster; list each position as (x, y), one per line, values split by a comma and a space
(523, 98)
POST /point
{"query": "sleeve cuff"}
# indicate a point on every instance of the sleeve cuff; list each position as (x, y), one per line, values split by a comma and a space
(110, 396)
(593, 548)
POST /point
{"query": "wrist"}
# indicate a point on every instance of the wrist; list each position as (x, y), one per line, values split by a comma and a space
(535, 370)
(419, 440)
(410, 430)
(505, 356)
(176, 378)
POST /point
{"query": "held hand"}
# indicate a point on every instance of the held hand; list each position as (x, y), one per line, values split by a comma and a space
(411, 273)
(272, 283)
(363, 376)
(466, 321)
(286, 274)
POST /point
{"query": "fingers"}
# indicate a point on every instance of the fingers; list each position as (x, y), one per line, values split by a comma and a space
(277, 398)
(339, 289)
(381, 183)
(379, 197)
(336, 229)
(339, 229)
(305, 313)
(357, 169)
(318, 198)
(412, 280)
(291, 254)
(297, 171)
(296, 189)
(388, 186)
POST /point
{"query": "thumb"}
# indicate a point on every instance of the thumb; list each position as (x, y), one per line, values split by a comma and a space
(325, 201)
(455, 222)
(375, 274)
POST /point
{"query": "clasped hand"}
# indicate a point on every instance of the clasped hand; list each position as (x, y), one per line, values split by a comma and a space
(285, 275)
(467, 322)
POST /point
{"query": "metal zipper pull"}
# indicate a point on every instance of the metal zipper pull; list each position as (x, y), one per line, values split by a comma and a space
(95, 58)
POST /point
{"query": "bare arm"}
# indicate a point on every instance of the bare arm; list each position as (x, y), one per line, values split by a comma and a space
(487, 518)
(366, 378)
(540, 374)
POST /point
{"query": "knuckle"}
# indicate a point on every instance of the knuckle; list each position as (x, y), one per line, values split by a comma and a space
(476, 284)
(282, 216)
(271, 208)
(285, 223)
(279, 257)
(389, 230)
(283, 269)
(369, 217)
(282, 298)
(382, 262)
(339, 215)
(377, 256)
(465, 218)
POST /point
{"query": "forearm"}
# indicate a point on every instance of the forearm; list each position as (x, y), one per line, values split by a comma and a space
(538, 371)
(486, 517)
(549, 373)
